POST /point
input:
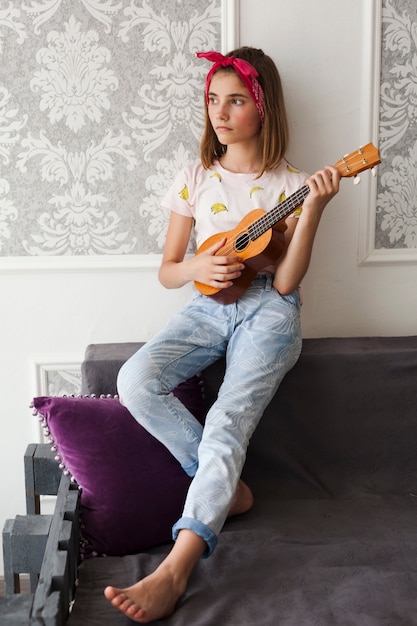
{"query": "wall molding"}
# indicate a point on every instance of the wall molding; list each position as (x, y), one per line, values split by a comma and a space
(370, 122)
(372, 53)
(44, 369)
(230, 25)
(143, 262)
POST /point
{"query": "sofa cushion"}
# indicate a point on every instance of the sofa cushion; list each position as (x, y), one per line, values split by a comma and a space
(132, 488)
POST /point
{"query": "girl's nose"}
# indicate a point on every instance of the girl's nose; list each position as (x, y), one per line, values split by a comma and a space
(222, 113)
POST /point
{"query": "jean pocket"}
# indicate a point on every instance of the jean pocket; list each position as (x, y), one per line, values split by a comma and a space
(292, 298)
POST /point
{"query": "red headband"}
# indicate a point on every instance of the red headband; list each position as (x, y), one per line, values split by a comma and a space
(246, 72)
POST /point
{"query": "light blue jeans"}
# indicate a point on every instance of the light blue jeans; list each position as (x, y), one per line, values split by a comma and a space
(260, 337)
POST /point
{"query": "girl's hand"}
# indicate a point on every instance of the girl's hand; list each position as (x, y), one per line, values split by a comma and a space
(216, 271)
(324, 185)
(205, 267)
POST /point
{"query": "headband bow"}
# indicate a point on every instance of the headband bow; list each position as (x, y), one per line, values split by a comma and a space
(246, 72)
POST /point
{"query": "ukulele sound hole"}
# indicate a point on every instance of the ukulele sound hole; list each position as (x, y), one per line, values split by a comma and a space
(242, 242)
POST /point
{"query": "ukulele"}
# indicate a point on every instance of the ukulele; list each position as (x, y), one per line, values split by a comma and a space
(258, 239)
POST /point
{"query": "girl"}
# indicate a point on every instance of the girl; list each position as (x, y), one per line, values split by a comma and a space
(242, 167)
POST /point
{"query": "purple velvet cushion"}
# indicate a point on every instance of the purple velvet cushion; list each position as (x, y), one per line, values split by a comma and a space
(132, 488)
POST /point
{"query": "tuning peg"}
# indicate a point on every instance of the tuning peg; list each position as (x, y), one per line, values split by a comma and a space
(356, 180)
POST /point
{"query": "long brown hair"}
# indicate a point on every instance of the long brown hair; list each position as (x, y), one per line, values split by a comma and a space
(274, 134)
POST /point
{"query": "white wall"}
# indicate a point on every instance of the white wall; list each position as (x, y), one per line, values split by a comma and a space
(318, 47)
(322, 51)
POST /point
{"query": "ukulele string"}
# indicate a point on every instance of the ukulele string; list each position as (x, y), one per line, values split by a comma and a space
(272, 217)
(264, 223)
(280, 211)
(345, 164)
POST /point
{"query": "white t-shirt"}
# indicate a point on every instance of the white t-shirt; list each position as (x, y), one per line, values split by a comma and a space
(218, 199)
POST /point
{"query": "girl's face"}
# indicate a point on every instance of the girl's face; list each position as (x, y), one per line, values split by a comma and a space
(231, 110)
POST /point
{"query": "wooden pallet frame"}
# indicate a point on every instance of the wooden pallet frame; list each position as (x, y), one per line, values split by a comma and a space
(54, 594)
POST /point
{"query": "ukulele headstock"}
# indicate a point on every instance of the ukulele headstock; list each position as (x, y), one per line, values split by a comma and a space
(358, 161)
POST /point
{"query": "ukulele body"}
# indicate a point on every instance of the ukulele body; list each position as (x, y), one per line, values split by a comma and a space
(255, 255)
(259, 240)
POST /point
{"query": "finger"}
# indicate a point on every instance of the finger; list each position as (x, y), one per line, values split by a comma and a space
(226, 250)
(322, 181)
(217, 246)
(229, 271)
(334, 176)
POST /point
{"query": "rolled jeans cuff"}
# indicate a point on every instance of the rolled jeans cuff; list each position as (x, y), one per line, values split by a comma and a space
(199, 529)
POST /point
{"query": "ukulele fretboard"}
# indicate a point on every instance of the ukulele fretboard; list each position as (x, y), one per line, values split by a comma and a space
(264, 223)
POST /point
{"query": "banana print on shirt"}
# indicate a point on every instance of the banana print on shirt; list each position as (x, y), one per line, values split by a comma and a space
(218, 207)
(183, 194)
(252, 191)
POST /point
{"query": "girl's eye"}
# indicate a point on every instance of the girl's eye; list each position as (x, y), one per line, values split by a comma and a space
(237, 101)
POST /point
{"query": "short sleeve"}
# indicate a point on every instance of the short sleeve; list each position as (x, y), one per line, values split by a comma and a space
(177, 198)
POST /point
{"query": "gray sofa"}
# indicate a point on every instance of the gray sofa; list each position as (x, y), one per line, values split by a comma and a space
(332, 537)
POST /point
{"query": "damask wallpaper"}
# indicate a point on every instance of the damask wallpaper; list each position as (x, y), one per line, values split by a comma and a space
(58, 381)
(396, 211)
(100, 105)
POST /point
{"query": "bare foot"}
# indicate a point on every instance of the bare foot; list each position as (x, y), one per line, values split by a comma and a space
(156, 596)
(152, 598)
(243, 500)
